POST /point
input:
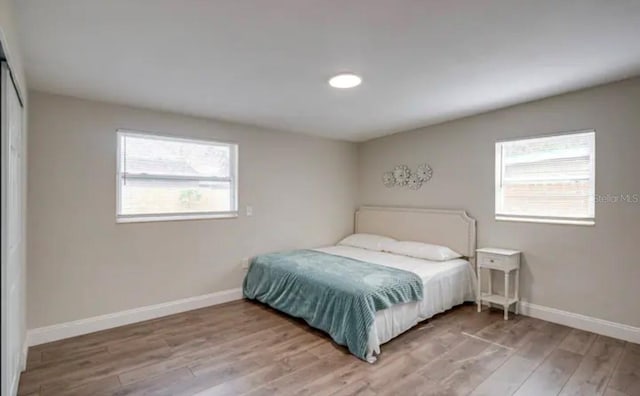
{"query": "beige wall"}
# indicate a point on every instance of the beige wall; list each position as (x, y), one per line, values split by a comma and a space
(82, 264)
(593, 271)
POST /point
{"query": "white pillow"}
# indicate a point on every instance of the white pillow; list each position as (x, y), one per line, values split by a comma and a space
(367, 241)
(422, 250)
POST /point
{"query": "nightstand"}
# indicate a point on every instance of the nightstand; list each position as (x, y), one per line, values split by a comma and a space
(504, 260)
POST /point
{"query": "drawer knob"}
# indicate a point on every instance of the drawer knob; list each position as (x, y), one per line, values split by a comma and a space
(491, 260)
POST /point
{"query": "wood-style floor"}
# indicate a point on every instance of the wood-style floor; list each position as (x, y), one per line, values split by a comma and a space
(246, 348)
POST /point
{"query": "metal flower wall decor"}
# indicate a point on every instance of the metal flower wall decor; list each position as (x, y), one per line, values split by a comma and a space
(402, 176)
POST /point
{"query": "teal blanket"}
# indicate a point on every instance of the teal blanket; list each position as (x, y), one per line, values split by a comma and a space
(335, 294)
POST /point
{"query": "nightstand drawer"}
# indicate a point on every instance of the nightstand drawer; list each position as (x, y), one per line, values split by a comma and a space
(492, 260)
(498, 261)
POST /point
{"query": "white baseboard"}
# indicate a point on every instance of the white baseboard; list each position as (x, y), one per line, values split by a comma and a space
(23, 357)
(61, 331)
(582, 322)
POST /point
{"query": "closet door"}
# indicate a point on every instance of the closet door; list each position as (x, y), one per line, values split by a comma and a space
(12, 232)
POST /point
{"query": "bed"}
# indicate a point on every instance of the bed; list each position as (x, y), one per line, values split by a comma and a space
(297, 283)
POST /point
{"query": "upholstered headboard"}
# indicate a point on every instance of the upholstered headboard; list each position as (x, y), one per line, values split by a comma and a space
(451, 228)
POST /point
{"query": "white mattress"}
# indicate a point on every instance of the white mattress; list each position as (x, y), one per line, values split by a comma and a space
(446, 284)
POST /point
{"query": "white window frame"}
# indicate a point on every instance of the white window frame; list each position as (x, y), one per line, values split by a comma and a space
(147, 217)
(499, 170)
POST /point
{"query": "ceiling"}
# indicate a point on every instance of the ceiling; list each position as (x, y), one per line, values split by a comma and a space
(267, 63)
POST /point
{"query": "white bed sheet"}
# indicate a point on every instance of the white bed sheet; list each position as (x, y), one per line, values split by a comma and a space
(446, 284)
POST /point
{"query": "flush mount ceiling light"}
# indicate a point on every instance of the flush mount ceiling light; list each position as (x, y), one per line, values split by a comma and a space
(345, 80)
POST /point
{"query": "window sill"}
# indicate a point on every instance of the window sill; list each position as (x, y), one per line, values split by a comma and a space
(175, 217)
(580, 222)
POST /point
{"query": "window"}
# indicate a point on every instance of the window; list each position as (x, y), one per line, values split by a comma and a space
(548, 179)
(166, 178)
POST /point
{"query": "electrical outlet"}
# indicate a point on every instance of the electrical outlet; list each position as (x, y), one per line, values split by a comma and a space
(245, 263)
(249, 210)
